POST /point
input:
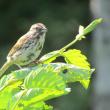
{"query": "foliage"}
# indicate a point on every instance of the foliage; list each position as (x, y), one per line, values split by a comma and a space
(29, 88)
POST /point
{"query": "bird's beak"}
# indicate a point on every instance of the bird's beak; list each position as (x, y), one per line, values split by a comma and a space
(44, 30)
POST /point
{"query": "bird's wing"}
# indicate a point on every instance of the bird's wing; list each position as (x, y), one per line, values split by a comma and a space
(18, 45)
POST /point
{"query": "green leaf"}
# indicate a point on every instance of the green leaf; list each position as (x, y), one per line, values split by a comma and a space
(14, 101)
(41, 84)
(80, 36)
(16, 77)
(6, 95)
(85, 83)
(75, 57)
(92, 25)
(72, 73)
(49, 57)
(81, 30)
(44, 77)
(8, 87)
(36, 95)
(38, 106)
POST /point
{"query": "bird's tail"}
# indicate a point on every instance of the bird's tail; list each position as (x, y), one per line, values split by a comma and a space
(4, 68)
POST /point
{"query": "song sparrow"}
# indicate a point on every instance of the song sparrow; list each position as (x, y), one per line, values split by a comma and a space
(27, 48)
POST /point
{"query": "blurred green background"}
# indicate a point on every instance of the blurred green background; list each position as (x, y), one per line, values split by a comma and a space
(62, 18)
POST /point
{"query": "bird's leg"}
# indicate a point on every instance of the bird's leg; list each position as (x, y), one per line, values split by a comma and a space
(19, 66)
(36, 61)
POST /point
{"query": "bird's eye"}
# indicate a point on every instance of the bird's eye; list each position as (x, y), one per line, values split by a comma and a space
(36, 27)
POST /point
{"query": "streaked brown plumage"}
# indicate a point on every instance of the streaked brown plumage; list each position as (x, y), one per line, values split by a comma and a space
(27, 48)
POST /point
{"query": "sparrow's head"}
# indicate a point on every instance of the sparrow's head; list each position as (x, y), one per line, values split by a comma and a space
(38, 27)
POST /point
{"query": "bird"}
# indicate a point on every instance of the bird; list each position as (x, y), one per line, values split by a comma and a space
(27, 48)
